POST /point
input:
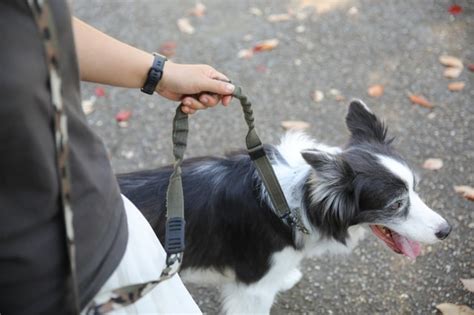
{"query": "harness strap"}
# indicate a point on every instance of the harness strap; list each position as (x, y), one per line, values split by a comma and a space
(47, 28)
(174, 238)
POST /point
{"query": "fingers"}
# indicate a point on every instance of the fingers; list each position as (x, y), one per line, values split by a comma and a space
(217, 86)
(187, 110)
(210, 100)
(226, 100)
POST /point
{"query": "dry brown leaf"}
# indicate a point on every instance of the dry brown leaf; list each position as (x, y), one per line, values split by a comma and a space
(245, 53)
(420, 100)
(318, 96)
(454, 309)
(456, 86)
(452, 72)
(375, 90)
(468, 284)
(256, 11)
(433, 164)
(294, 125)
(466, 191)
(88, 105)
(185, 26)
(278, 17)
(266, 45)
(450, 61)
(198, 10)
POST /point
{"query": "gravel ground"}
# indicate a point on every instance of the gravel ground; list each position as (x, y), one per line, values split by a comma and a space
(394, 43)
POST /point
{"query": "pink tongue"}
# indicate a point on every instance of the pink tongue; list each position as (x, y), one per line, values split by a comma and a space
(408, 247)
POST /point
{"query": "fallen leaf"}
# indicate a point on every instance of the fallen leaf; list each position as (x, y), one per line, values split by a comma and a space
(266, 45)
(248, 37)
(375, 90)
(455, 9)
(99, 91)
(256, 11)
(198, 10)
(279, 17)
(123, 115)
(433, 164)
(185, 26)
(353, 11)
(88, 105)
(245, 53)
(300, 29)
(456, 86)
(471, 67)
(261, 68)
(123, 124)
(167, 49)
(466, 191)
(450, 61)
(420, 100)
(454, 309)
(339, 98)
(334, 92)
(452, 72)
(468, 284)
(295, 125)
(318, 96)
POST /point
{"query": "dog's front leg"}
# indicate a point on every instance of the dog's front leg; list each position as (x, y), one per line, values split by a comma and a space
(247, 299)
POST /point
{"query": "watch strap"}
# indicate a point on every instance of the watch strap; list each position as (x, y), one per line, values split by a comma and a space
(154, 74)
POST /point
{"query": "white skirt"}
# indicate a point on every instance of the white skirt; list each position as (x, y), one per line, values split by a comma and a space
(143, 261)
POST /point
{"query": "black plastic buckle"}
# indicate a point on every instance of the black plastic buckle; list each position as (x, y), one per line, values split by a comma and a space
(174, 237)
(289, 218)
(256, 152)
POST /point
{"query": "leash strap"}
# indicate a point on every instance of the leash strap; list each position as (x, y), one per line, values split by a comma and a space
(47, 28)
(264, 167)
(175, 224)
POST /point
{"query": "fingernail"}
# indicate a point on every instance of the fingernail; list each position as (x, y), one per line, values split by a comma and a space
(229, 87)
(184, 109)
(187, 102)
(204, 99)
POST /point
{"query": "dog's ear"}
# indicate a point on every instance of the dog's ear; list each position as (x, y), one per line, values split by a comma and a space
(364, 125)
(332, 204)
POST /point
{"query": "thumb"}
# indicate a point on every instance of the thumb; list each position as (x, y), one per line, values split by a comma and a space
(217, 86)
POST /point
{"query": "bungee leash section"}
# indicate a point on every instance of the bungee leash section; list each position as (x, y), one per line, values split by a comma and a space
(175, 224)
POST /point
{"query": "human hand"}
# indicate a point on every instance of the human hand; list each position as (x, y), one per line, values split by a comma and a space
(196, 86)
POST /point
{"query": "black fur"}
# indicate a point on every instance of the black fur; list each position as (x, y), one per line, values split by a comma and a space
(227, 225)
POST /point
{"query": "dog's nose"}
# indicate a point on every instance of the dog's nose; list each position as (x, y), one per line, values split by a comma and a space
(443, 231)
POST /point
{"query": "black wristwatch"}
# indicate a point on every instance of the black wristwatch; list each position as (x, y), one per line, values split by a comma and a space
(154, 74)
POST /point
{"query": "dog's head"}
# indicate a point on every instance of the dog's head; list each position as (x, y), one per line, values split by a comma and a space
(369, 183)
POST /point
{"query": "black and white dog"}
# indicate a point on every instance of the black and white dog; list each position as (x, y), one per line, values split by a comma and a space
(234, 238)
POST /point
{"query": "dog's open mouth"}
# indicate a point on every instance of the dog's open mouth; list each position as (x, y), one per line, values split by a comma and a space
(398, 243)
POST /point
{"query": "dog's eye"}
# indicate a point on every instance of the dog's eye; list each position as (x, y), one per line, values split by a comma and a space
(396, 205)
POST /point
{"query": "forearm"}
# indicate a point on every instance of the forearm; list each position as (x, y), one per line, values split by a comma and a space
(103, 59)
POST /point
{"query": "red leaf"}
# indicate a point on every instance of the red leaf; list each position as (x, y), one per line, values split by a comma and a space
(261, 68)
(420, 100)
(99, 91)
(123, 115)
(266, 45)
(455, 9)
(471, 67)
(167, 49)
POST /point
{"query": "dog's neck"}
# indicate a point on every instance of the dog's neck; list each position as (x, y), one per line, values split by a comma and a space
(294, 175)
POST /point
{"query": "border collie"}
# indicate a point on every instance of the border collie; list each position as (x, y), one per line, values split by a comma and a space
(235, 240)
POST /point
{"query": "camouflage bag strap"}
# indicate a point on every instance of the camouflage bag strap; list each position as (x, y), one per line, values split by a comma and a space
(46, 26)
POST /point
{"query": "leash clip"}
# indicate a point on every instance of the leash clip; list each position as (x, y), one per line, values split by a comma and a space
(293, 219)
